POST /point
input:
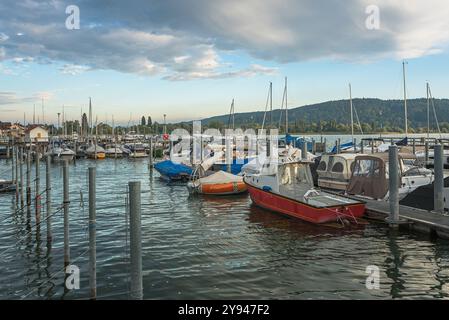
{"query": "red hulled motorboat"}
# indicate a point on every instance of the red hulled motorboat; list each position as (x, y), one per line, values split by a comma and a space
(287, 188)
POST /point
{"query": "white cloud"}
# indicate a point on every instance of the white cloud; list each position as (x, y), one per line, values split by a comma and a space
(186, 39)
(73, 69)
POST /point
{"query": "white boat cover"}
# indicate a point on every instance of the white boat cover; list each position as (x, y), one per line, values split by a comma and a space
(220, 177)
(209, 162)
(92, 149)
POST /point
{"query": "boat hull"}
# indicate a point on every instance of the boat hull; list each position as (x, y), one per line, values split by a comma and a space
(222, 189)
(297, 209)
(97, 156)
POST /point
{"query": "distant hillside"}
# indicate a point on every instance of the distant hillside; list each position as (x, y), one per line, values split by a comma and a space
(374, 114)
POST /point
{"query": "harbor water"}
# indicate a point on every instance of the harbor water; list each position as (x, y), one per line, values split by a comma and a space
(196, 247)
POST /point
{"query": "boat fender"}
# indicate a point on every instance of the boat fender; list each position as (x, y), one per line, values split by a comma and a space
(266, 188)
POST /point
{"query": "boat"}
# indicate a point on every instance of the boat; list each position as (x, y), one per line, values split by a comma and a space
(114, 151)
(173, 171)
(136, 150)
(370, 175)
(335, 170)
(95, 152)
(287, 188)
(218, 183)
(7, 186)
(60, 152)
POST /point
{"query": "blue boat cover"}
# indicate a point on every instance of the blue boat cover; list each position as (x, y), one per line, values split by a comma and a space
(172, 170)
(343, 146)
(236, 168)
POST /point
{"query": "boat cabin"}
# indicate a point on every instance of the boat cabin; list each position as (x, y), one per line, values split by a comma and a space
(335, 170)
(370, 175)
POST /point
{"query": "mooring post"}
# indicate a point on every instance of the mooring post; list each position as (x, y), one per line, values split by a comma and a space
(16, 153)
(7, 151)
(304, 150)
(66, 202)
(28, 190)
(21, 177)
(13, 180)
(37, 199)
(92, 235)
(135, 240)
(229, 153)
(426, 152)
(354, 144)
(361, 146)
(48, 193)
(438, 165)
(414, 145)
(393, 166)
(150, 159)
(313, 146)
(325, 144)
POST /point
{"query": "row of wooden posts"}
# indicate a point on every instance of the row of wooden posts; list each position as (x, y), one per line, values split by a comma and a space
(136, 286)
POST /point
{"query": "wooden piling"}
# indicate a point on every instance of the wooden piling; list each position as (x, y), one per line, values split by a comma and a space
(48, 200)
(135, 240)
(439, 179)
(393, 166)
(66, 203)
(92, 234)
(37, 199)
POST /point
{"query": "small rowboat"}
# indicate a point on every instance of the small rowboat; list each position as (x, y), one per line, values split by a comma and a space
(219, 183)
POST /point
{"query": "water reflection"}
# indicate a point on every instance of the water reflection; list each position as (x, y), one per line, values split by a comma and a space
(208, 247)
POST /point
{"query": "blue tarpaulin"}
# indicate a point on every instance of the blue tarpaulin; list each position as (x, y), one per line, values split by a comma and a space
(173, 171)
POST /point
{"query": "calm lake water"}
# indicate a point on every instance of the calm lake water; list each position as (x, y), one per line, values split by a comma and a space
(203, 247)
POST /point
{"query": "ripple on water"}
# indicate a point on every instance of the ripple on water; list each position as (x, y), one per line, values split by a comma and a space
(207, 247)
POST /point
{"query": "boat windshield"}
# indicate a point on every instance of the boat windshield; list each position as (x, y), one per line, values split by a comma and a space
(296, 174)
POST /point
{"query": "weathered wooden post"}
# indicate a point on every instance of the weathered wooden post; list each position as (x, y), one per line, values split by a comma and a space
(92, 234)
(66, 202)
(426, 152)
(361, 146)
(16, 154)
(28, 190)
(228, 156)
(304, 150)
(313, 146)
(439, 179)
(393, 166)
(150, 159)
(135, 240)
(414, 145)
(21, 177)
(13, 169)
(372, 145)
(48, 200)
(37, 199)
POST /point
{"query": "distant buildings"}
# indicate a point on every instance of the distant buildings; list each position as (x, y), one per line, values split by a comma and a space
(34, 133)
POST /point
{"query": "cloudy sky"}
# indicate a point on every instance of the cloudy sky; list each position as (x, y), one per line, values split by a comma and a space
(190, 58)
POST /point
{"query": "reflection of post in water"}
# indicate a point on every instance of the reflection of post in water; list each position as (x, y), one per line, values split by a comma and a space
(393, 263)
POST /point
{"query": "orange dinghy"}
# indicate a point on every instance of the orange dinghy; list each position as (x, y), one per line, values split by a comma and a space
(219, 183)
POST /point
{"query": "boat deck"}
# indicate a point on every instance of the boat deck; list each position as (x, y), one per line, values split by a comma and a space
(324, 199)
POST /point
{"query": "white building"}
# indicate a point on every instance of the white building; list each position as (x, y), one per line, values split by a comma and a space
(36, 134)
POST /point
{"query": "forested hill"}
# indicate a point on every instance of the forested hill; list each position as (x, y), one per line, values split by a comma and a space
(334, 116)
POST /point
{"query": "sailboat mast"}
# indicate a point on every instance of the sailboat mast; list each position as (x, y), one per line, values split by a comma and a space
(405, 99)
(352, 117)
(271, 104)
(428, 110)
(286, 107)
(233, 115)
